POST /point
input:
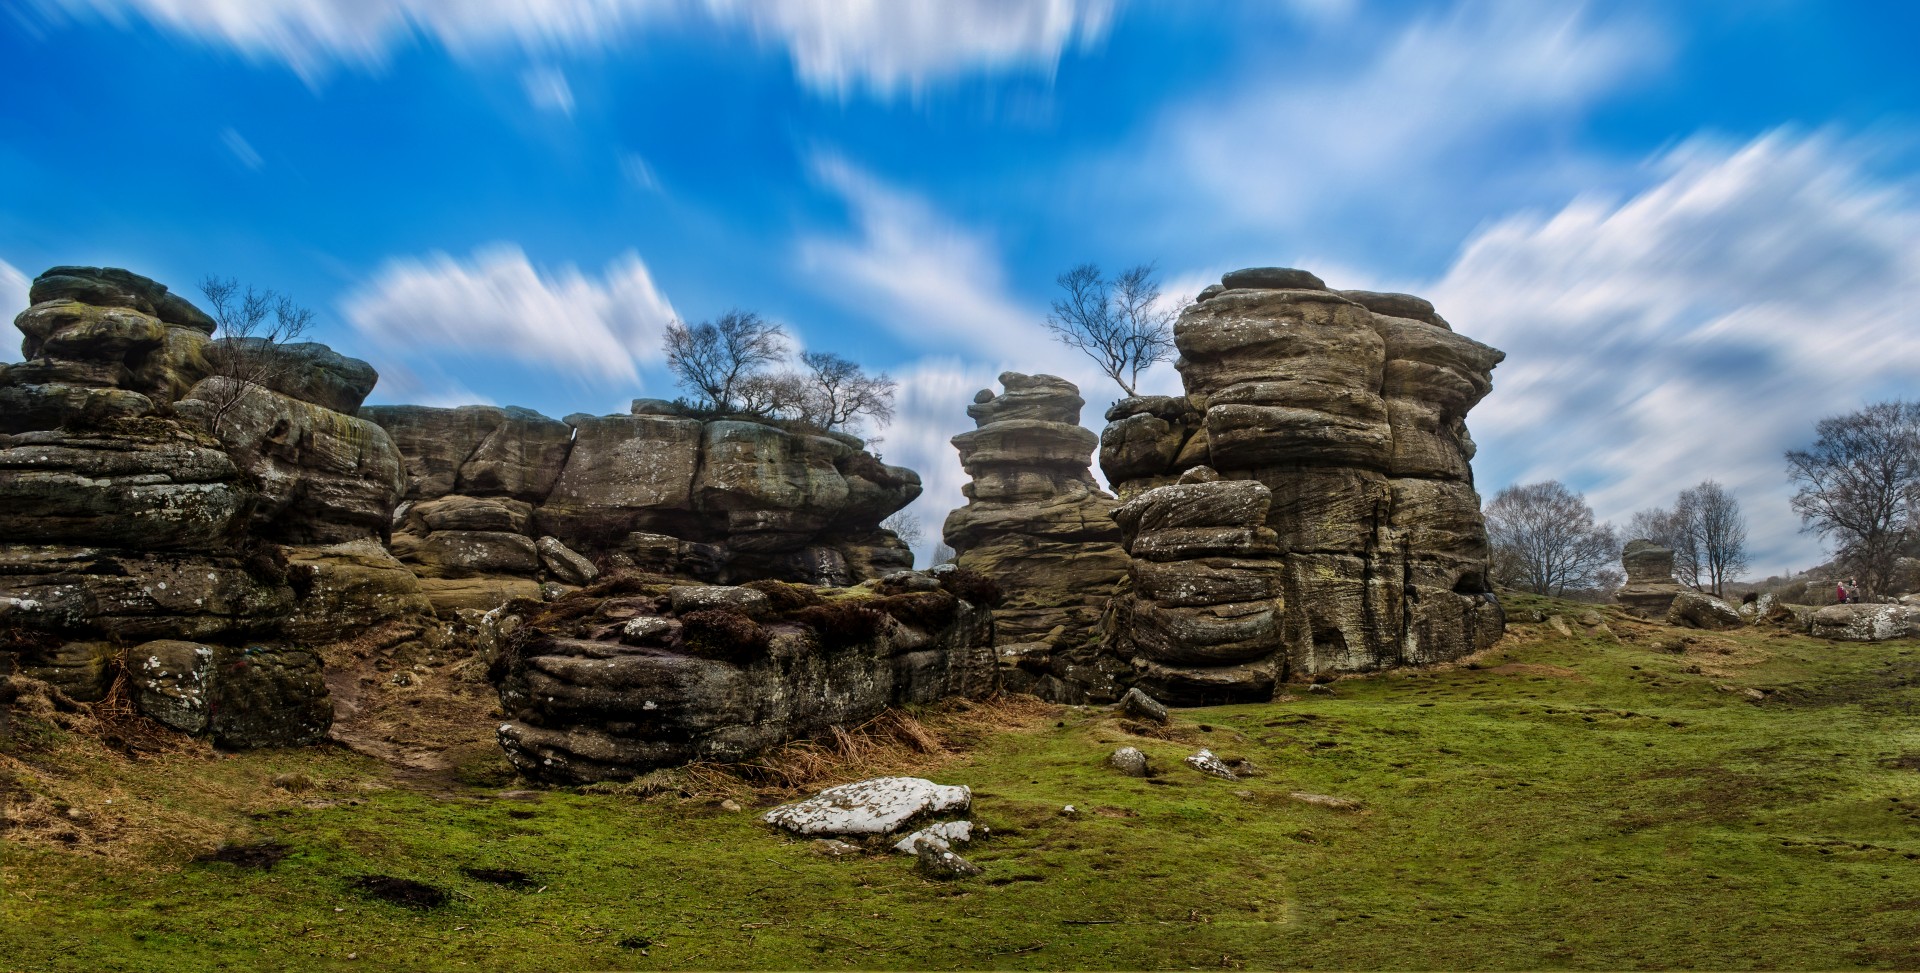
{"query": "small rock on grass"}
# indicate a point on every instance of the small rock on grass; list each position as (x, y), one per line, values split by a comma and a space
(1560, 625)
(1129, 761)
(951, 832)
(1325, 800)
(833, 848)
(1206, 763)
(936, 860)
(1141, 706)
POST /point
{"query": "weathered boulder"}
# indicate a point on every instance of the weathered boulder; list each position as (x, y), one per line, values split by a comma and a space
(113, 287)
(132, 596)
(348, 588)
(1650, 588)
(322, 477)
(172, 683)
(1693, 609)
(82, 670)
(268, 696)
(879, 806)
(307, 371)
(591, 693)
(1129, 761)
(1866, 622)
(1039, 525)
(469, 553)
(563, 564)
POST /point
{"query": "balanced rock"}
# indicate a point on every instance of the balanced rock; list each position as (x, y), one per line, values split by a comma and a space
(1037, 523)
(1650, 588)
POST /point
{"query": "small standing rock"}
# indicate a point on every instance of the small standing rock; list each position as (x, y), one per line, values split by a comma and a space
(1129, 761)
(1141, 706)
(950, 832)
(833, 847)
(1206, 763)
(1560, 625)
(938, 861)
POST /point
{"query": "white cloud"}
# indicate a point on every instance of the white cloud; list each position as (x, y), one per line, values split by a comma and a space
(1695, 330)
(499, 305)
(1452, 113)
(13, 299)
(885, 46)
(934, 282)
(241, 149)
(547, 90)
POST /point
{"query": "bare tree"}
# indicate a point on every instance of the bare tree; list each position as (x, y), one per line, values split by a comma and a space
(1545, 539)
(842, 391)
(905, 526)
(253, 324)
(773, 395)
(1717, 531)
(1121, 324)
(713, 359)
(944, 554)
(1859, 482)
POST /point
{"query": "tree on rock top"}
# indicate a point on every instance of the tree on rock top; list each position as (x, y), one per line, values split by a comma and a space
(737, 365)
(1121, 323)
(253, 324)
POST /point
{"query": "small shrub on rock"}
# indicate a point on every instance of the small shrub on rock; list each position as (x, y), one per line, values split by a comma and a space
(723, 633)
(842, 623)
(787, 598)
(972, 587)
(925, 610)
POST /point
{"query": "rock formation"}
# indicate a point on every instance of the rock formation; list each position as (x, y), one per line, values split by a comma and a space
(1038, 523)
(1860, 622)
(622, 678)
(499, 497)
(1650, 588)
(1367, 548)
(136, 539)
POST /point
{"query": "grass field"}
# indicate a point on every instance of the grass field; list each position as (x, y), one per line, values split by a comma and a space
(1598, 800)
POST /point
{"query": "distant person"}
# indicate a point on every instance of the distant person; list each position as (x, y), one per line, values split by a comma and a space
(1840, 592)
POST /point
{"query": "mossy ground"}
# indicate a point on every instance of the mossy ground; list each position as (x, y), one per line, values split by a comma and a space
(1566, 801)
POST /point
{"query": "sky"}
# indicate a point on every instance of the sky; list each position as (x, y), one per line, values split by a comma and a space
(1693, 227)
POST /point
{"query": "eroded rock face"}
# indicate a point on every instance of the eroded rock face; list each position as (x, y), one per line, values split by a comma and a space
(1038, 523)
(1365, 549)
(1650, 588)
(1692, 609)
(715, 500)
(603, 687)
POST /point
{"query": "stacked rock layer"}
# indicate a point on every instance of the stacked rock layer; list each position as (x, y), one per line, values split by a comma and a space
(497, 496)
(1650, 589)
(1349, 407)
(1038, 523)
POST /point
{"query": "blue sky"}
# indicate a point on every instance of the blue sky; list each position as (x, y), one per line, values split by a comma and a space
(1692, 226)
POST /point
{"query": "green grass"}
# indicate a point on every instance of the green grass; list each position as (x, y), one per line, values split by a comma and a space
(1567, 803)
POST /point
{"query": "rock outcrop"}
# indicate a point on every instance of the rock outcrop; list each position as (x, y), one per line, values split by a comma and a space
(1650, 588)
(1367, 549)
(139, 535)
(625, 677)
(1866, 622)
(1038, 523)
(1693, 609)
(509, 494)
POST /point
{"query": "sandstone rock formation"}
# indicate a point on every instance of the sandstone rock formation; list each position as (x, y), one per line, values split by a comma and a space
(1650, 588)
(502, 493)
(617, 679)
(1866, 622)
(1693, 609)
(1367, 548)
(1038, 523)
(128, 529)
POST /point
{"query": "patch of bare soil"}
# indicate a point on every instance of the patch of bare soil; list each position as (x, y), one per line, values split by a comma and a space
(427, 714)
(401, 891)
(1877, 691)
(259, 857)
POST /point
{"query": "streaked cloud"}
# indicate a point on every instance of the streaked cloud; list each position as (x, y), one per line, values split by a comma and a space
(1696, 329)
(498, 305)
(242, 150)
(879, 46)
(547, 90)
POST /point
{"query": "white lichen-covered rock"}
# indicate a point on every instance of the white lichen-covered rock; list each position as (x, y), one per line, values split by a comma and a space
(870, 807)
(949, 833)
(1129, 761)
(1866, 622)
(1206, 763)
